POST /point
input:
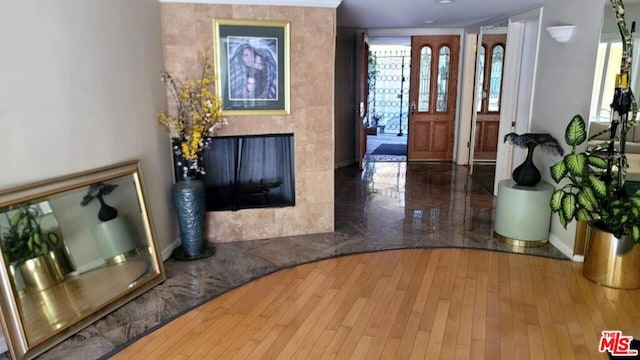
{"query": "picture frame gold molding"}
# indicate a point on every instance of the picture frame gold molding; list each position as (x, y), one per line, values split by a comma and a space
(33, 321)
(226, 34)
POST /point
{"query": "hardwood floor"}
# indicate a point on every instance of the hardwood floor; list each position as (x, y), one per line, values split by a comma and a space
(404, 304)
(389, 205)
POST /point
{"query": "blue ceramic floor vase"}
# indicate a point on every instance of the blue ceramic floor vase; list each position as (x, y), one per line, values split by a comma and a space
(189, 202)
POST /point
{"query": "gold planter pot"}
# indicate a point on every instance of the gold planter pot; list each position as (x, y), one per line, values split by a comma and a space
(60, 261)
(47, 270)
(610, 261)
(39, 274)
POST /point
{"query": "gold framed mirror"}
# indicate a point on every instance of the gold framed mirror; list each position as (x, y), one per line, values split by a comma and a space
(74, 248)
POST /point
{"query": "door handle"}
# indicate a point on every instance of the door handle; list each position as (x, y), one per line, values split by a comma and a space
(361, 109)
(413, 107)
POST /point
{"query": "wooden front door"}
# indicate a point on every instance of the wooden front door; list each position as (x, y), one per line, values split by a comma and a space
(491, 60)
(432, 95)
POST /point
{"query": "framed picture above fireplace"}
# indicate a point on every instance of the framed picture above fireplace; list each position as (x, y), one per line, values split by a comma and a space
(252, 63)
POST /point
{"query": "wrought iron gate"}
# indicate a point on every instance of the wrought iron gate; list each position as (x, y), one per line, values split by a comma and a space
(389, 90)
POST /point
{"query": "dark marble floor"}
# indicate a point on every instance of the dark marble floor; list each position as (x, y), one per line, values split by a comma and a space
(388, 206)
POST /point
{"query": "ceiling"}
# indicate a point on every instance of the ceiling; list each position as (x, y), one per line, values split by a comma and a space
(411, 14)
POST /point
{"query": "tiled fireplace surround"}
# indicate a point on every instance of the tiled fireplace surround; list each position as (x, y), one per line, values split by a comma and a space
(187, 31)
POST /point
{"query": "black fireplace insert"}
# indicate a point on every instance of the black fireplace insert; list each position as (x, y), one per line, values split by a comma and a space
(254, 171)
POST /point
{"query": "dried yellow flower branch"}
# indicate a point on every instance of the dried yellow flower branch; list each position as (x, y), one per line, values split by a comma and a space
(197, 117)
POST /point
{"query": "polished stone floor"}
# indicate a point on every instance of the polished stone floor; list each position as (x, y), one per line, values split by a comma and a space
(390, 205)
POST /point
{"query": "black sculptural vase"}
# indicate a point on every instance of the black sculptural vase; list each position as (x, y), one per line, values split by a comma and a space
(106, 211)
(526, 174)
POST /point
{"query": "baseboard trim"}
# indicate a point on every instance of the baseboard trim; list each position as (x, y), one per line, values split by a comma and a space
(90, 266)
(345, 163)
(566, 250)
(166, 252)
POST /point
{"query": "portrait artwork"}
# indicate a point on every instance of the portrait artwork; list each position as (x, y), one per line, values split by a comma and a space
(252, 68)
(252, 58)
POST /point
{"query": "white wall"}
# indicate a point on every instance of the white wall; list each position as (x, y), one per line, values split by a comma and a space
(79, 87)
(609, 24)
(564, 79)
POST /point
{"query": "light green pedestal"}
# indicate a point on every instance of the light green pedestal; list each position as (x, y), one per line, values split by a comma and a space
(115, 238)
(523, 214)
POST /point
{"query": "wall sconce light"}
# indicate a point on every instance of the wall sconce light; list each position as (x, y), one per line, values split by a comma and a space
(561, 33)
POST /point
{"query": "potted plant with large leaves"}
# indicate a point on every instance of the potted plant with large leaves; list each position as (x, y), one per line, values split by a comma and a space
(592, 190)
(593, 184)
(37, 257)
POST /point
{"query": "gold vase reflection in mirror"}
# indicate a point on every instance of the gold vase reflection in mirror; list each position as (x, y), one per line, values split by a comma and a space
(62, 265)
(30, 237)
(38, 273)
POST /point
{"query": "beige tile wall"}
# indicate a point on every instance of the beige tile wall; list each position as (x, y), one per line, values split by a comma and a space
(187, 29)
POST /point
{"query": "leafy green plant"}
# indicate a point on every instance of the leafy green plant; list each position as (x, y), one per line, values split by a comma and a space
(24, 239)
(592, 187)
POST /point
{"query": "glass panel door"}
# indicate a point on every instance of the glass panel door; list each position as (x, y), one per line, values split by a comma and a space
(425, 79)
(443, 79)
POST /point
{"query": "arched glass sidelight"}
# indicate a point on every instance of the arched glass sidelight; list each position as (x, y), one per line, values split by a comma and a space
(497, 59)
(425, 79)
(442, 95)
(480, 76)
